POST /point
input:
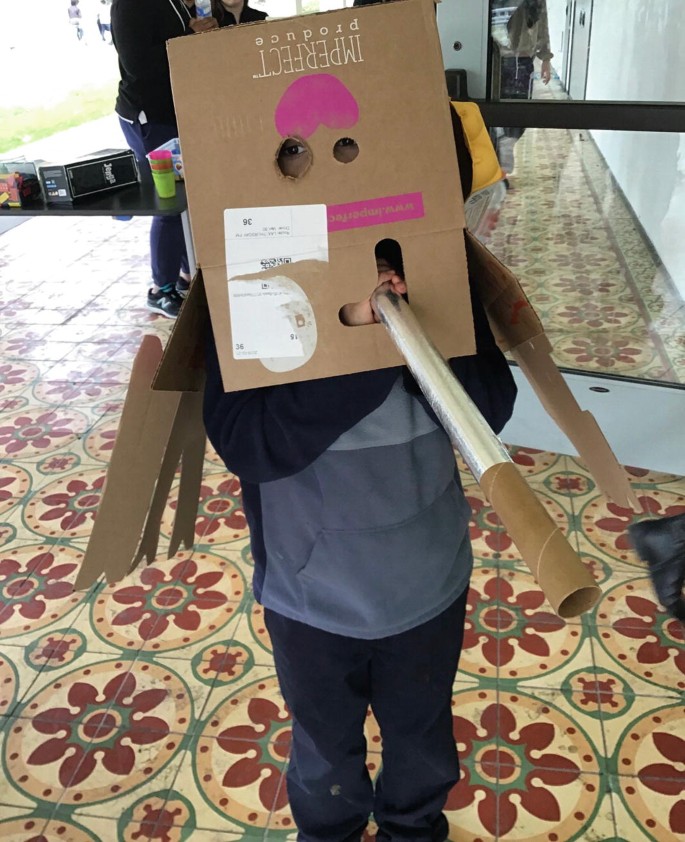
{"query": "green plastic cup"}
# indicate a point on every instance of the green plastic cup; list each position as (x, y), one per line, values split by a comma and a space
(165, 184)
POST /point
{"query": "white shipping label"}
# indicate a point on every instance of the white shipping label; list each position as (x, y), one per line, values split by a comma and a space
(268, 318)
(262, 238)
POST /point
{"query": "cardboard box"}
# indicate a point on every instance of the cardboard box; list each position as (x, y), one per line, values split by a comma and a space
(19, 184)
(174, 146)
(280, 255)
(108, 169)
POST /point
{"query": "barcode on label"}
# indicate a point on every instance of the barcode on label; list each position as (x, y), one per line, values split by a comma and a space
(270, 262)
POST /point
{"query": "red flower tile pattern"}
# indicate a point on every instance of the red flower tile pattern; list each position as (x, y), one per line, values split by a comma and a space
(67, 506)
(510, 630)
(175, 604)
(36, 587)
(220, 518)
(14, 484)
(526, 767)
(653, 755)
(79, 738)
(34, 431)
(640, 637)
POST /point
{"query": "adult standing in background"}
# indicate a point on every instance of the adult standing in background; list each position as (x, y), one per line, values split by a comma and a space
(104, 20)
(232, 12)
(528, 31)
(140, 30)
(526, 39)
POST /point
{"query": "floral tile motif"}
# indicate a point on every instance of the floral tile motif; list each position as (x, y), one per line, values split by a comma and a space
(14, 376)
(649, 762)
(36, 584)
(250, 638)
(587, 269)
(527, 769)
(66, 507)
(604, 524)
(79, 739)
(247, 740)
(638, 636)
(15, 483)
(623, 679)
(220, 518)
(36, 431)
(176, 604)
(99, 443)
(511, 632)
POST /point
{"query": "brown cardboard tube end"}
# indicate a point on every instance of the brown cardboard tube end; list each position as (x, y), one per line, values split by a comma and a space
(564, 579)
(579, 602)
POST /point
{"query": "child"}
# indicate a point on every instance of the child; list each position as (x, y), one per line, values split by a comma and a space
(360, 537)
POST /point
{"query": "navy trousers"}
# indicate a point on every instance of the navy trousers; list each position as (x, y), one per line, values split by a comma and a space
(328, 681)
(168, 255)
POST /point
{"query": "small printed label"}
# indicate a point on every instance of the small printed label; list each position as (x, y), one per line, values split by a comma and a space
(264, 238)
(265, 321)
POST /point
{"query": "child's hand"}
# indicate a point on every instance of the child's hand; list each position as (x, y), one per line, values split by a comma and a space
(355, 315)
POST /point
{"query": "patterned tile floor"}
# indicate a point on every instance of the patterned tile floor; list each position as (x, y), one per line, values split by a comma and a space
(605, 299)
(149, 710)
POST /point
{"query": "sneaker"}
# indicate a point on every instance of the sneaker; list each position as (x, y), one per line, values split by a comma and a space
(182, 287)
(165, 302)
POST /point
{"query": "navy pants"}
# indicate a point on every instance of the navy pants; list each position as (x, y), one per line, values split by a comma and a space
(168, 255)
(516, 81)
(328, 681)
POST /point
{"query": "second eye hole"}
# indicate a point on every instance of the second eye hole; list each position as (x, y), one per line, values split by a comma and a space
(345, 150)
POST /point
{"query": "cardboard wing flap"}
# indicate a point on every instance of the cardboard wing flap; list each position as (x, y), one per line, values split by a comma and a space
(535, 359)
(518, 329)
(297, 168)
(144, 430)
(157, 430)
(192, 464)
(186, 446)
(182, 366)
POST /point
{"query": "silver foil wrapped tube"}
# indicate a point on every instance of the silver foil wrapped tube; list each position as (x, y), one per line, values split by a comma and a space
(562, 576)
(468, 430)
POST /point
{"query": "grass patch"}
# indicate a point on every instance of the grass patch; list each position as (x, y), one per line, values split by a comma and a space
(19, 126)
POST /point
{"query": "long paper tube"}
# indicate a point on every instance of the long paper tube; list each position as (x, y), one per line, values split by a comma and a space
(562, 576)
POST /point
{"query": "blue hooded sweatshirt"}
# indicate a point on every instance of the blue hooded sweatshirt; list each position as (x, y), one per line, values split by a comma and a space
(358, 522)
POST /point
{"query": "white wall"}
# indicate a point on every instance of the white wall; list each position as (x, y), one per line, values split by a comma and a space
(465, 21)
(556, 13)
(637, 54)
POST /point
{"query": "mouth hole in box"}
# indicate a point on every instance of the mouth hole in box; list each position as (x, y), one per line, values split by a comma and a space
(388, 256)
(294, 157)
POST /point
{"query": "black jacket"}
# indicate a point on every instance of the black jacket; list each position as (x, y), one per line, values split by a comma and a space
(140, 30)
(247, 15)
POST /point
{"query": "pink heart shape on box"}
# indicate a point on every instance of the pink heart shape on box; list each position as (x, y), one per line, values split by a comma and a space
(313, 101)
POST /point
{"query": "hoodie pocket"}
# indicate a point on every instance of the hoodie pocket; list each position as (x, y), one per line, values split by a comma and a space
(374, 579)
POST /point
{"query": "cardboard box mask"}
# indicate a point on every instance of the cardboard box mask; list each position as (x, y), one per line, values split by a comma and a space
(359, 95)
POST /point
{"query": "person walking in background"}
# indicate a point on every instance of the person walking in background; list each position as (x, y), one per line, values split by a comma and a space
(526, 40)
(528, 32)
(104, 21)
(140, 30)
(75, 18)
